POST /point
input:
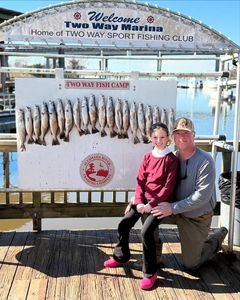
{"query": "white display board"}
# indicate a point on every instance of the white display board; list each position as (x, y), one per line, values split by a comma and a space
(58, 167)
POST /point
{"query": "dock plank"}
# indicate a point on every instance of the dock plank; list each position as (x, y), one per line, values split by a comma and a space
(37, 289)
(19, 289)
(59, 265)
(10, 264)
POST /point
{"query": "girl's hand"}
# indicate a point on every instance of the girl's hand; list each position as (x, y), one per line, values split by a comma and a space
(147, 208)
(132, 200)
(140, 208)
(128, 208)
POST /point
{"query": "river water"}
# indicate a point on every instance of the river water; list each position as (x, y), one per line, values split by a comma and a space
(197, 104)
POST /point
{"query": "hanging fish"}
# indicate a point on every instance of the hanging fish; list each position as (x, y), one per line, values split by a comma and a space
(68, 120)
(37, 124)
(29, 124)
(44, 122)
(102, 115)
(53, 122)
(141, 122)
(164, 117)
(110, 117)
(126, 119)
(77, 116)
(171, 120)
(60, 118)
(93, 113)
(134, 122)
(21, 131)
(118, 118)
(156, 115)
(85, 115)
(149, 120)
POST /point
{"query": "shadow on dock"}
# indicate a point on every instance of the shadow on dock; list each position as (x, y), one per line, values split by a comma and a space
(72, 261)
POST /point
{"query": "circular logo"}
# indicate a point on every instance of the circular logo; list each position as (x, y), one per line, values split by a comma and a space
(77, 15)
(97, 170)
(150, 19)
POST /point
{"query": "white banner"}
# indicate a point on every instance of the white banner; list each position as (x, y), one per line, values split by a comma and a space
(90, 160)
(114, 24)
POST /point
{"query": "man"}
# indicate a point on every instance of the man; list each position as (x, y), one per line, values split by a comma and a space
(195, 200)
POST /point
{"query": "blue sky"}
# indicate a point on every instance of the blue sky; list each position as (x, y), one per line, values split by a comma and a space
(223, 16)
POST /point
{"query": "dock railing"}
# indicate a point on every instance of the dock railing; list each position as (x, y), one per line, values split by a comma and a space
(17, 203)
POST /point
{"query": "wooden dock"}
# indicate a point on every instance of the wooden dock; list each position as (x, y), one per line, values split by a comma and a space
(69, 265)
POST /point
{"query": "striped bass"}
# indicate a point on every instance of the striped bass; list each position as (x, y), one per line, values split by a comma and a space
(85, 115)
(44, 122)
(149, 120)
(141, 122)
(53, 122)
(110, 117)
(37, 124)
(126, 119)
(68, 120)
(93, 113)
(61, 118)
(102, 115)
(134, 122)
(29, 124)
(77, 116)
(21, 131)
(118, 118)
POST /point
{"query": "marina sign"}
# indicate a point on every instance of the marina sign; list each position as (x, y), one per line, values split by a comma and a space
(114, 24)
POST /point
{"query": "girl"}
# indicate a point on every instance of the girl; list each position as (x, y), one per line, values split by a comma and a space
(156, 180)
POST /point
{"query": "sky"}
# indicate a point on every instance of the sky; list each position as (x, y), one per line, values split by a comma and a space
(223, 16)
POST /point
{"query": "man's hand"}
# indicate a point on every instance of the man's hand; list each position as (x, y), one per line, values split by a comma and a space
(140, 208)
(164, 209)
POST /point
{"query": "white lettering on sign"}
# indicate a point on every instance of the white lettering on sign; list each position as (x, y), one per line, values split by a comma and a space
(110, 85)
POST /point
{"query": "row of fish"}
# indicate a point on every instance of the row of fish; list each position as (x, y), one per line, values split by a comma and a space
(33, 124)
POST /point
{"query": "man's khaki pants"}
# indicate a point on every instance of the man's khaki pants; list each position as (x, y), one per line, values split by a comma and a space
(196, 246)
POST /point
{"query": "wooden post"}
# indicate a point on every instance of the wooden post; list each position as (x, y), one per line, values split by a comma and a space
(37, 221)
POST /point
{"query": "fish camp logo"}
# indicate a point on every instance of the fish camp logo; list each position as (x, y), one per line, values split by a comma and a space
(97, 170)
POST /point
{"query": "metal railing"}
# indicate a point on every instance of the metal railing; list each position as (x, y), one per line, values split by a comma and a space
(16, 203)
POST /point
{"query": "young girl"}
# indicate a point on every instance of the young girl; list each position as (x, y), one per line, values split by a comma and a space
(156, 181)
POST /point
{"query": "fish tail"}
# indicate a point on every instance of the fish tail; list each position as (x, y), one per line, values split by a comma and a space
(30, 140)
(66, 138)
(22, 148)
(120, 136)
(103, 133)
(38, 141)
(43, 142)
(55, 142)
(145, 139)
(62, 135)
(86, 131)
(112, 133)
(81, 132)
(95, 130)
(136, 140)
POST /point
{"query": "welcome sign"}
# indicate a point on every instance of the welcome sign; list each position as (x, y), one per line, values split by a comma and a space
(113, 23)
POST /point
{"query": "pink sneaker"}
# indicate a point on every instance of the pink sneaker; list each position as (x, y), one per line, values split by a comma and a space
(147, 283)
(111, 263)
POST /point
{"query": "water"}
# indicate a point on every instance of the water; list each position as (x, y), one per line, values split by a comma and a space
(196, 104)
